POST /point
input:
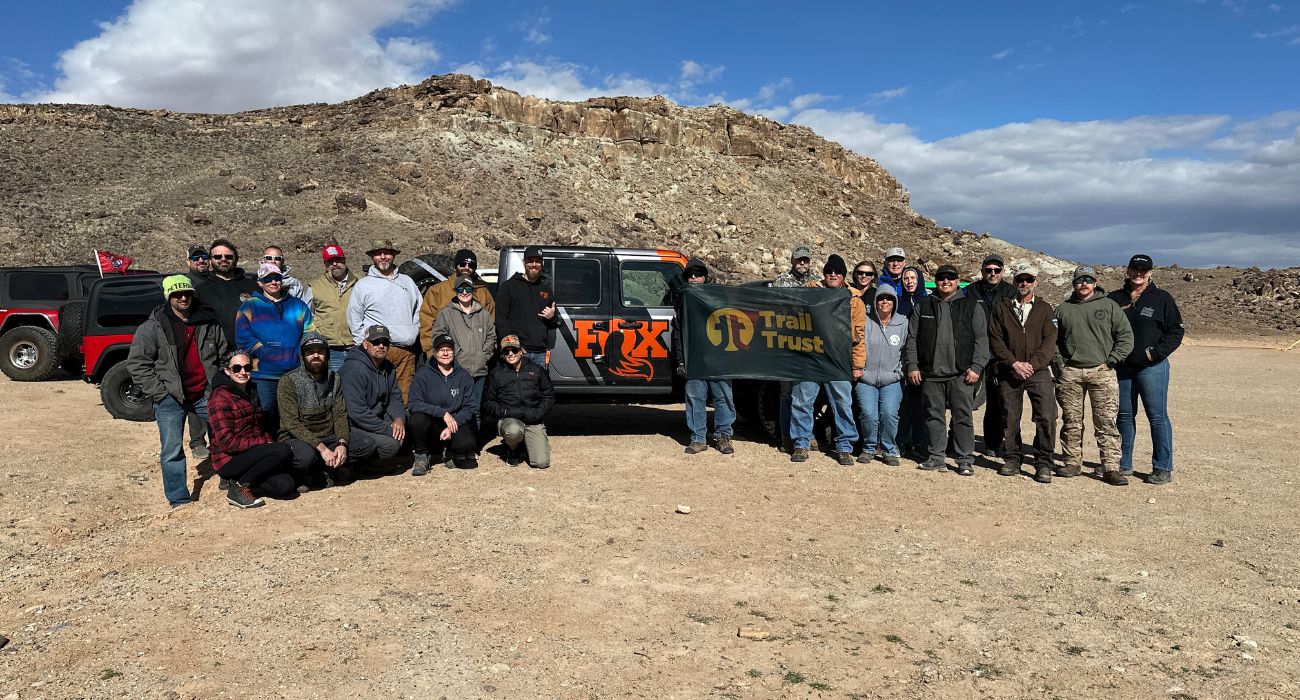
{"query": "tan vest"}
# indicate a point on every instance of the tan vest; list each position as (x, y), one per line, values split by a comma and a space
(329, 308)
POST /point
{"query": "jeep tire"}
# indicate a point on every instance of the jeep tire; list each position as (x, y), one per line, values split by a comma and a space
(122, 397)
(29, 354)
(72, 327)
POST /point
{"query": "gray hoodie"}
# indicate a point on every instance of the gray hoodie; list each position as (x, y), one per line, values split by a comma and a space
(474, 333)
(884, 350)
(391, 301)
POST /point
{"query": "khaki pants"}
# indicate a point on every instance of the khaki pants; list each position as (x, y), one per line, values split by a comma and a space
(513, 431)
(1101, 386)
(403, 360)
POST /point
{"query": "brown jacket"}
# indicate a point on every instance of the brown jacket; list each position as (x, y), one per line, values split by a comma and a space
(436, 299)
(858, 319)
(1035, 343)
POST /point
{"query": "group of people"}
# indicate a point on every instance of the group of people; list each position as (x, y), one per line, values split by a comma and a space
(923, 360)
(290, 386)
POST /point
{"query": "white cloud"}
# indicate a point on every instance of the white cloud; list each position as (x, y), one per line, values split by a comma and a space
(1196, 189)
(768, 92)
(1002, 54)
(230, 55)
(802, 102)
(887, 95)
(555, 80)
(535, 32)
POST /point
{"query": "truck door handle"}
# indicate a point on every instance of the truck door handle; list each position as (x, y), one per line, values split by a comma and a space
(630, 324)
(598, 359)
(600, 326)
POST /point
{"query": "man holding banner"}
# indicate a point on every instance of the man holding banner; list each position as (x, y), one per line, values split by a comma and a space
(800, 274)
(699, 389)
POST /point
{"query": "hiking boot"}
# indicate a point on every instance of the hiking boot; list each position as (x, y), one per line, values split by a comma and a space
(1126, 471)
(695, 448)
(241, 496)
(1114, 478)
(1069, 471)
(470, 462)
(1160, 476)
(513, 457)
(932, 465)
(420, 466)
(1009, 469)
(965, 470)
(844, 458)
(200, 451)
(303, 488)
(223, 483)
(892, 461)
(799, 454)
(724, 445)
(866, 457)
(1043, 475)
(787, 446)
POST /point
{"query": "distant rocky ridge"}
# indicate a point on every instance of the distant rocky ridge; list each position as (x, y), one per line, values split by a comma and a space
(456, 162)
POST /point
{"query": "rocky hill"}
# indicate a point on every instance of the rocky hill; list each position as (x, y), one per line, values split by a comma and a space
(457, 162)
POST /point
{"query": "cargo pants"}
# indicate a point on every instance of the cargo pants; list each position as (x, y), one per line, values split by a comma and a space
(1101, 386)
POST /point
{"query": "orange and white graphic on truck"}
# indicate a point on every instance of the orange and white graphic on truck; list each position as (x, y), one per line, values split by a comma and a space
(627, 351)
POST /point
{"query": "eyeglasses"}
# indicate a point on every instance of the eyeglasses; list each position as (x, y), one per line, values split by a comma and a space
(273, 258)
(510, 351)
(199, 256)
(992, 270)
(223, 257)
(695, 273)
(335, 261)
(237, 369)
(864, 273)
(1085, 280)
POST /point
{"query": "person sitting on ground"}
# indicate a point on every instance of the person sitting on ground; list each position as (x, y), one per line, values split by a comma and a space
(469, 323)
(370, 392)
(314, 418)
(443, 411)
(242, 452)
(519, 395)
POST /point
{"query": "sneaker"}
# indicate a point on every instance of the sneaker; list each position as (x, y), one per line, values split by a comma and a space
(1043, 475)
(724, 445)
(303, 488)
(1114, 478)
(513, 457)
(695, 448)
(470, 462)
(200, 451)
(1126, 471)
(866, 457)
(223, 484)
(420, 466)
(932, 465)
(799, 454)
(241, 496)
(1069, 471)
(1009, 469)
(892, 461)
(1160, 476)
(965, 470)
(844, 458)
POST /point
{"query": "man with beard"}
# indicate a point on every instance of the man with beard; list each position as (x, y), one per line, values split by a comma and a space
(197, 263)
(331, 293)
(226, 286)
(269, 327)
(437, 297)
(370, 392)
(526, 308)
(314, 418)
(292, 285)
(386, 297)
(989, 291)
(698, 389)
(1022, 338)
(800, 274)
(173, 359)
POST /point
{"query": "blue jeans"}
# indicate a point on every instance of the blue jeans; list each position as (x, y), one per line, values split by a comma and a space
(1151, 384)
(337, 357)
(268, 395)
(170, 416)
(537, 358)
(803, 400)
(878, 416)
(697, 403)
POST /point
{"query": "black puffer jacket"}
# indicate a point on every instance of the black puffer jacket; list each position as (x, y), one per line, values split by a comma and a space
(525, 394)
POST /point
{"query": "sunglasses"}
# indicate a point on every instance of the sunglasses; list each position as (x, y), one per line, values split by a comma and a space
(272, 280)
(1085, 280)
(1023, 279)
(467, 263)
(382, 342)
(945, 278)
(993, 270)
(273, 258)
(241, 368)
(198, 256)
(510, 351)
(864, 273)
(223, 257)
(464, 290)
(183, 295)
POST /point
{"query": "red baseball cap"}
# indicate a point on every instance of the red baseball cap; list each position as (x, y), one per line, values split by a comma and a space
(330, 252)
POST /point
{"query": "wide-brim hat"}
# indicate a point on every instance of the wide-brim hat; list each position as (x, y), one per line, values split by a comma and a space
(383, 244)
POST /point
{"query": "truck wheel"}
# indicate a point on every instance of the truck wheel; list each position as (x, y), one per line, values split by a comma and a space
(72, 327)
(28, 354)
(122, 397)
(769, 412)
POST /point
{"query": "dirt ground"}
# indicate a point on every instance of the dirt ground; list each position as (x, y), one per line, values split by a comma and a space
(583, 581)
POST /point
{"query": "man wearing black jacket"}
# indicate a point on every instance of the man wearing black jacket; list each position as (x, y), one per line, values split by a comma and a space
(526, 308)
(226, 286)
(519, 395)
(1157, 333)
(371, 394)
(988, 292)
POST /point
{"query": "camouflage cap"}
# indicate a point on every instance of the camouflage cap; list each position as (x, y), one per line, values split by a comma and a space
(381, 245)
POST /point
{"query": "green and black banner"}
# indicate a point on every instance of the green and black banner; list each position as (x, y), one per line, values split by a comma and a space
(793, 334)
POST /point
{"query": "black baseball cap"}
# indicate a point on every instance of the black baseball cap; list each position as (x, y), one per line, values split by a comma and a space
(532, 251)
(198, 249)
(947, 270)
(442, 339)
(1140, 262)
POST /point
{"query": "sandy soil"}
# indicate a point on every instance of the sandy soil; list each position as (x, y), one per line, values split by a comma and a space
(582, 582)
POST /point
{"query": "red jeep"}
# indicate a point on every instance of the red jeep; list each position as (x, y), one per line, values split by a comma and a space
(116, 306)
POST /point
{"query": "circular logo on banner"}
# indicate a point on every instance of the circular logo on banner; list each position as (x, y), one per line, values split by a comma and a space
(730, 329)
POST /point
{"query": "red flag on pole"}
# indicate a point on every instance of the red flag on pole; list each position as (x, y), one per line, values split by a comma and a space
(112, 262)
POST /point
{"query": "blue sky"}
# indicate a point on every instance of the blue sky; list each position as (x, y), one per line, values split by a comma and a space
(1086, 129)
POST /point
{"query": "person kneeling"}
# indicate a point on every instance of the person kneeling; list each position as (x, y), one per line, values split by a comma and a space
(241, 449)
(519, 395)
(314, 418)
(443, 408)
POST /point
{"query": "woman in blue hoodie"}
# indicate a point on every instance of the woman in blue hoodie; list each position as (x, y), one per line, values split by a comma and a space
(912, 434)
(879, 392)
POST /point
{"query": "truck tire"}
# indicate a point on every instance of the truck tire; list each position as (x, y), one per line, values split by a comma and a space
(122, 397)
(29, 354)
(418, 269)
(72, 327)
(769, 412)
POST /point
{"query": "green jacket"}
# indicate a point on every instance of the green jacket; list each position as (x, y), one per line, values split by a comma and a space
(305, 414)
(329, 308)
(1092, 332)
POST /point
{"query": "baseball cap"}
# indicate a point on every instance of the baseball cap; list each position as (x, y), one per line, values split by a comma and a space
(511, 341)
(330, 252)
(377, 332)
(466, 255)
(176, 283)
(442, 339)
(532, 251)
(314, 341)
(802, 251)
(1026, 269)
(992, 258)
(198, 249)
(265, 271)
(464, 281)
(945, 270)
(895, 253)
(1140, 262)
(1083, 271)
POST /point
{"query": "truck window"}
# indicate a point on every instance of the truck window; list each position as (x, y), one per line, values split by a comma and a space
(38, 286)
(127, 304)
(645, 282)
(574, 281)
